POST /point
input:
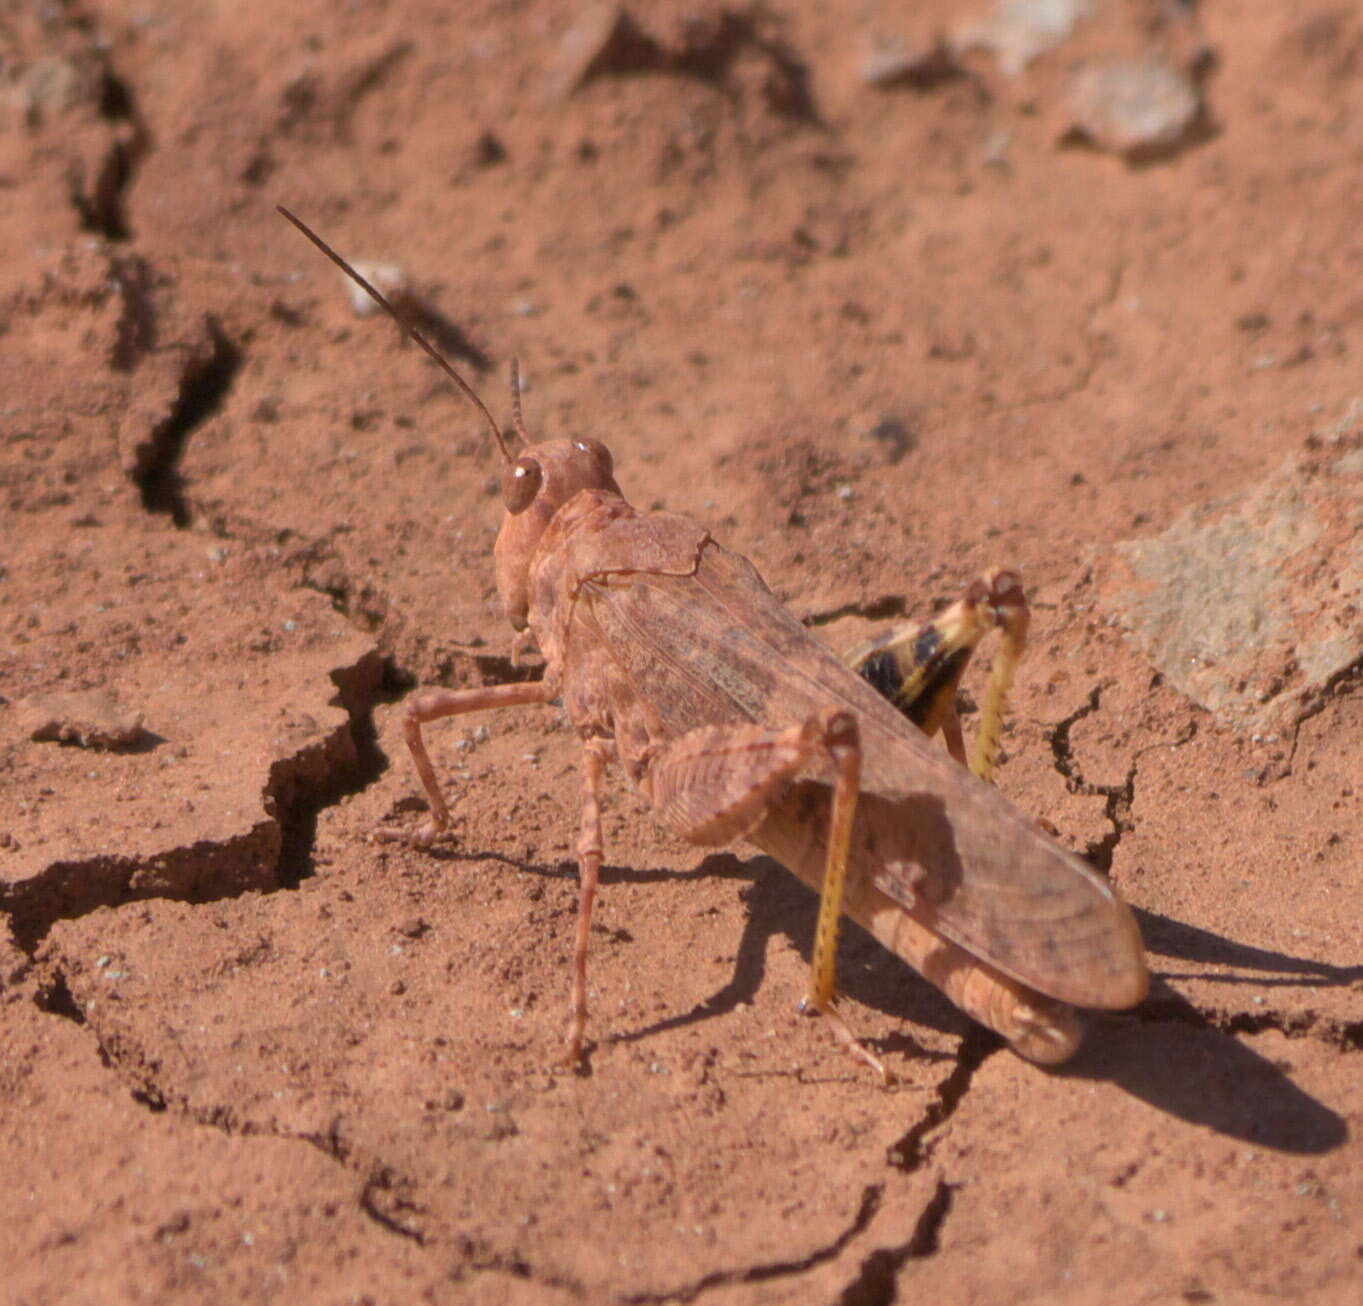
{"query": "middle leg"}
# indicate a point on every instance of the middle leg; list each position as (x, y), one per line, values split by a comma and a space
(589, 855)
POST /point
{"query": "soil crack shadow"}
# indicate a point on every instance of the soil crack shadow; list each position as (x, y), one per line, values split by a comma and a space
(204, 386)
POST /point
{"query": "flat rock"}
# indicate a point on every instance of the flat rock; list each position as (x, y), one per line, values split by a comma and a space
(89, 719)
(1251, 604)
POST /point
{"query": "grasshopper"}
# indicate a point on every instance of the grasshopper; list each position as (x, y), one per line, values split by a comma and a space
(674, 661)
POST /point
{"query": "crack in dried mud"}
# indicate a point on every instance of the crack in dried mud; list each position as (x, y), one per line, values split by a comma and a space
(53, 995)
(381, 1195)
(381, 1201)
(874, 1284)
(875, 1281)
(1118, 799)
(204, 386)
(1345, 682)
(273, 853)
(384, 1195)
(136, 331)
(387, 1198)
(369, 77)
(870, 1203)
(300, 806)
(319, 567)
(103, 207)
(321, 570)
(66, 890)
(913, 1150)
(368, 608)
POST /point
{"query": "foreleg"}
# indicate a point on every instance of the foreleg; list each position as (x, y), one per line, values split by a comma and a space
(589, 855)
(428, 705)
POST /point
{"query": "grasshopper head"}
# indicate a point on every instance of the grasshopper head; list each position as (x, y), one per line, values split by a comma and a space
(535, 486)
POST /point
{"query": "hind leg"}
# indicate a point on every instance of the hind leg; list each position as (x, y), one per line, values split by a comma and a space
(919, 667)
(717, 784)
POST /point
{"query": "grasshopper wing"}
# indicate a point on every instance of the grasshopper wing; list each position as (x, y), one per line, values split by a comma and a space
(716, 646)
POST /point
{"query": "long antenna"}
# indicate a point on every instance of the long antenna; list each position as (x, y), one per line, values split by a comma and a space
(516, 419)
(407, 329)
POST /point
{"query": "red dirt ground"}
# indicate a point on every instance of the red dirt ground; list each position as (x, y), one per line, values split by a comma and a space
(878, 338)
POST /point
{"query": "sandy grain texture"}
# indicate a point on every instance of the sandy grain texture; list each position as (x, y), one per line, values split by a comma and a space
(873, 299)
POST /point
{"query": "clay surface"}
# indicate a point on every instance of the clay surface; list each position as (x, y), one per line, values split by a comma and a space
(876, 293)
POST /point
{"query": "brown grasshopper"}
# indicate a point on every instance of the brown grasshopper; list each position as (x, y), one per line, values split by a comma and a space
(674, 660)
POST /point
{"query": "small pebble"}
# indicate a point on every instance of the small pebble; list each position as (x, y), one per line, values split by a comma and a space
(581, 49)
(1018, 31)
(387, 278)
(1133, 107)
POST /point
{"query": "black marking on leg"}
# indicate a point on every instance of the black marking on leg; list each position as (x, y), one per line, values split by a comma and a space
(913, 684)
(926, 645)
(883, 673)
(938, 680)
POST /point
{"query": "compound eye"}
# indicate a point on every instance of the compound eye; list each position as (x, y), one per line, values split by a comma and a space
(520, 484)
(600, 454)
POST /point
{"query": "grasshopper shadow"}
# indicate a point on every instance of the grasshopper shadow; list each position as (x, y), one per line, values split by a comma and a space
(1166, 937)
(1183, 1065)
(567, 868)
(1166, 1053)
(1176, 1058)
(779, 905)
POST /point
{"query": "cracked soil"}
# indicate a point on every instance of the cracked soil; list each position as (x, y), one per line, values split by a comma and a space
(878, 338)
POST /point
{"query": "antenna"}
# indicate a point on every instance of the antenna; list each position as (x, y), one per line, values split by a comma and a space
(516, 400)
(414, 335)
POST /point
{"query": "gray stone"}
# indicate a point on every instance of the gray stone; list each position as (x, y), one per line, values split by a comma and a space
(1251, 604)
